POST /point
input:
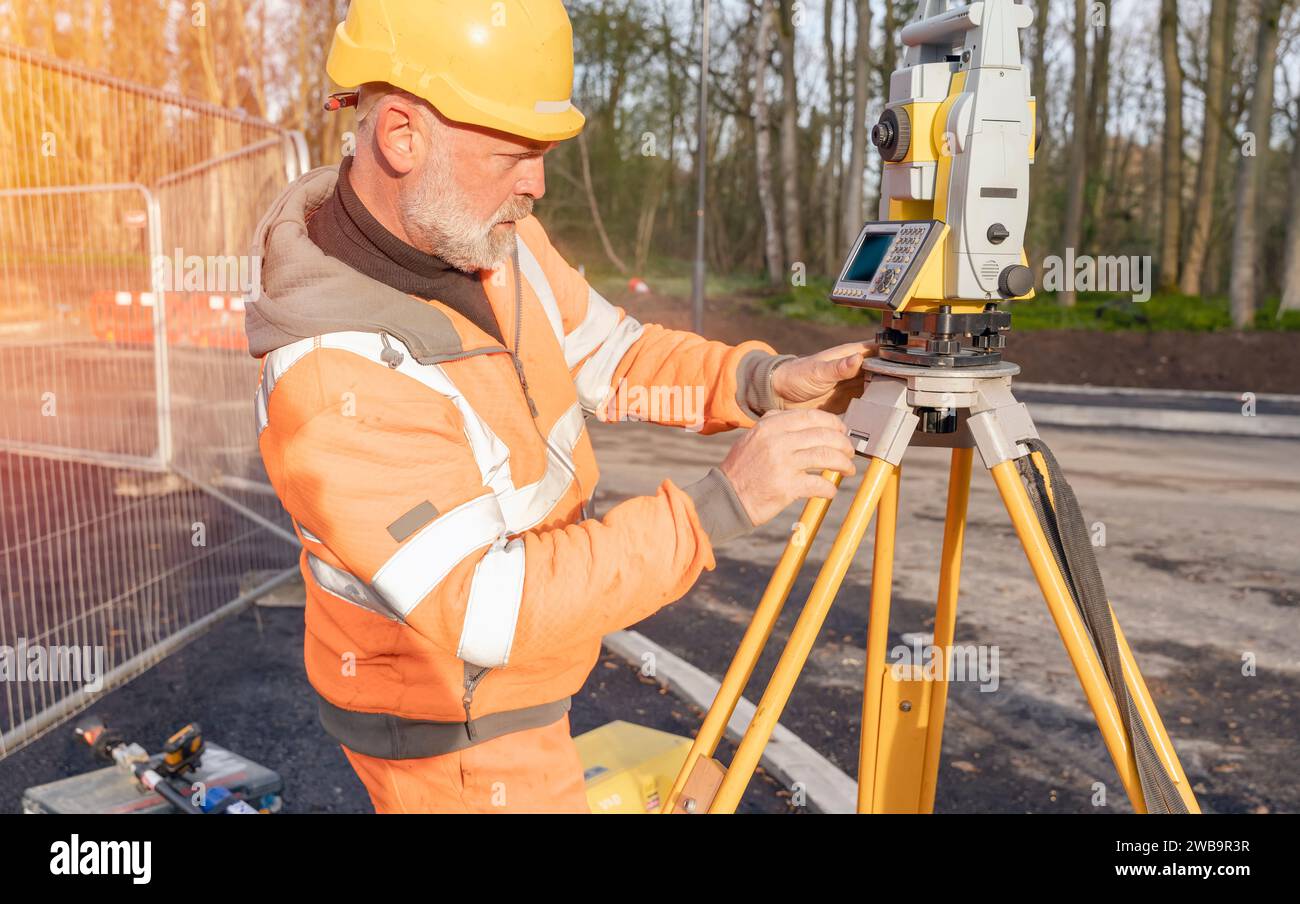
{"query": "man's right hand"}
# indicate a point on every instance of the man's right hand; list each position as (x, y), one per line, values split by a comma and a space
(769, 466)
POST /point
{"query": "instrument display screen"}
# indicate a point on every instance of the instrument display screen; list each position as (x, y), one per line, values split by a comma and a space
(885, 262)
(866, 261)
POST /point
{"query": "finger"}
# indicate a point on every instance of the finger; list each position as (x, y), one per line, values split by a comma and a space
(842, 351)
(848, 367)
(825, 374)
(828, 373)
(825, 459)
(820, 438)
(809, 419)
(810, 486)
(837, 446)
(852, 367)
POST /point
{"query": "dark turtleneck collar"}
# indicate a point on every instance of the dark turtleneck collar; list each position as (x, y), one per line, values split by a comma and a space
(343, 228)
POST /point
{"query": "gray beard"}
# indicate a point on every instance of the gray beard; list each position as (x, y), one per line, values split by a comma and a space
(435, 215)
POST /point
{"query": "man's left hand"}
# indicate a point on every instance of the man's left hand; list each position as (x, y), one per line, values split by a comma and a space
(828, 380)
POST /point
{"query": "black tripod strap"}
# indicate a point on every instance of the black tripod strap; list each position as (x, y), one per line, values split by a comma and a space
(1066, 533)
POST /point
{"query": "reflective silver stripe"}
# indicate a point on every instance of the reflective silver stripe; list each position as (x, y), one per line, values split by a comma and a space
(277, 365)
(523, 507)
(536, 278)
(493, 610)
(599, 323)
(426, 558)
(490, 453)
(601, 319)
(594, 378)
(306, 534)
(423, 561)
(348, 587)
(528, 506)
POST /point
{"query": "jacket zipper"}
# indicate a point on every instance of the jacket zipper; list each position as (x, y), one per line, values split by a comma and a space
(523, 381)
(471, 682)
(519, 323)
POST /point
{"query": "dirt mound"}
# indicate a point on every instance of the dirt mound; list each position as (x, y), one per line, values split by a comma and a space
(1230, 361)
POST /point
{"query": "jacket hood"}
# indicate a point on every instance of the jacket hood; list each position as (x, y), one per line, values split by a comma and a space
(302, 292)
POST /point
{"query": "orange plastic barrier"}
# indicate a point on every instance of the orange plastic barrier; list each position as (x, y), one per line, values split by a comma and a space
(194, 319)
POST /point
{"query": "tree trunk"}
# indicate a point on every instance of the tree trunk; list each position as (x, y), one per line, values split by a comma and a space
(210, 80)
(596, 219)
(251, 60)
(1222, 20)
(1235, 104)
(834, 135)
(1244, 290)
(1291, 270)
(763, 149)
(1076, 171)
(674, 114)
(1171, 186)
(888, 62)
(793, 215)
(1212, 282)
(651, 197)
(1038, 172)
(853, 175)
(1099, 111)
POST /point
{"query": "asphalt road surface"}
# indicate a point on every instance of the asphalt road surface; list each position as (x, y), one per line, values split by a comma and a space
(1200, 561)
(1199, 558)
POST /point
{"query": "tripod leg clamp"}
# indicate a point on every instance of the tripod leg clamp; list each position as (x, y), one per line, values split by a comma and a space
(999, 424)
(881, 422)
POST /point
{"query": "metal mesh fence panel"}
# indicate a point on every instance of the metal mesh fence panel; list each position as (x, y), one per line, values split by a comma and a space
(134, 510)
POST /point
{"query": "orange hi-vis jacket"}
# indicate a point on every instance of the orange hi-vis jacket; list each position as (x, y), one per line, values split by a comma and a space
(457, 584)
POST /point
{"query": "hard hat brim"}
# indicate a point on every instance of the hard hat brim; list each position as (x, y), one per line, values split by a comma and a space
(350, 66)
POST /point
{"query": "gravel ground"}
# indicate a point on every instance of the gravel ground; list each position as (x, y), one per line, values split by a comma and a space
(244, 682)
(1201, 569)
(1199, 561)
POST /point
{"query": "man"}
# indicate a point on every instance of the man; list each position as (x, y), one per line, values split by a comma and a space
(428, 363)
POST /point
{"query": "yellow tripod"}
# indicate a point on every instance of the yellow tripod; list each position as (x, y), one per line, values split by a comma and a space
(902, 710)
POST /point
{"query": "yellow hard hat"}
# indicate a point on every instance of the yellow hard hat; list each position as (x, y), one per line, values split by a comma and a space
(501, 64)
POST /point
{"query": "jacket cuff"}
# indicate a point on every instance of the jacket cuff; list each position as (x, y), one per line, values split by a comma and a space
(718, 507)
(754, 392)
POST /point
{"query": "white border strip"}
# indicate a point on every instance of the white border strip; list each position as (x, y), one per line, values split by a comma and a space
(1090, 389)
(1221, 423)
(787, 757)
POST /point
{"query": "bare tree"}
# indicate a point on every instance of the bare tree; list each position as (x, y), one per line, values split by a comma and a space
(596, 219)
(1221, 28)
(1099, 105)
(858, 130)
(1076, 171)
(888, 62)
(1171, 185)
(1245, 238)
(763, 148)
(1038, 86)
(1291, 269)
(834, 137)
(790, 163)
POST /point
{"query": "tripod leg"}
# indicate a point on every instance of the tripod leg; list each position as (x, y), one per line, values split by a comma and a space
(902, 722)
(945, 616)
(805, 632)
(1078, 644)
(882, 579)
(1146, 707)
(755, 639)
